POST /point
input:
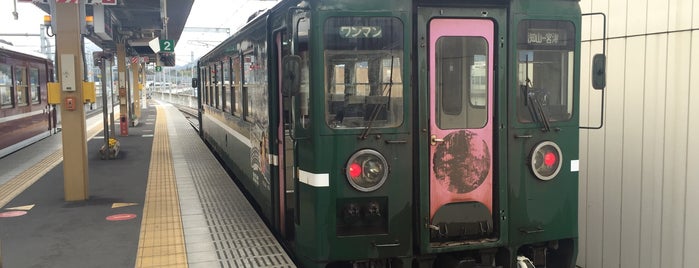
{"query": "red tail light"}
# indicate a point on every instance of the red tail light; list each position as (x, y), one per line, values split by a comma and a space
(354, 170)
(550, 159)
(366, 170)
(546, 160)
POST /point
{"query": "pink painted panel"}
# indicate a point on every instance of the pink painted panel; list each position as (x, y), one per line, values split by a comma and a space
(467, 152)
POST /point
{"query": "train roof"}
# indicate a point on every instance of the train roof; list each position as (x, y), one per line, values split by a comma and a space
(23, 51)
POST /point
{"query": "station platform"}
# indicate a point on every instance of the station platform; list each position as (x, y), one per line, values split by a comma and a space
(165, 201)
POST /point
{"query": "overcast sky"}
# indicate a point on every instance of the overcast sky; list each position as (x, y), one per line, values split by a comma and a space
(214, 14)
(230, 14)
(30, 19)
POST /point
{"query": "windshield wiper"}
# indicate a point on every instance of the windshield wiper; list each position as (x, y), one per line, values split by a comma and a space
(540, 113)
(377, 109)
(536, 110)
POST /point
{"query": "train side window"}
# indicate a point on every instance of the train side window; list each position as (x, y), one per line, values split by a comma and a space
(5, 86)
(201, 84)
(226, 84)
(215, 77)
(207, 76)
(238, 94)
(221, 87)
(249, 85)
(204, 87)
(34, 85)
(212, 84)
(21, 86)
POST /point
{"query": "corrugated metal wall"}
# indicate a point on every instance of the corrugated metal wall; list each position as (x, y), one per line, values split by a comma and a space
(639, 175)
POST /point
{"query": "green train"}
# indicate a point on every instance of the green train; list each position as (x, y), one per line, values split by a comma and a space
(405, 133)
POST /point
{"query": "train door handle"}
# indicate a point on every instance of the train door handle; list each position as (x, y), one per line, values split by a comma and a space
(434, 140)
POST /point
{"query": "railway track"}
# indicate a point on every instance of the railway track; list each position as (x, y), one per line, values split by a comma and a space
(190, 114)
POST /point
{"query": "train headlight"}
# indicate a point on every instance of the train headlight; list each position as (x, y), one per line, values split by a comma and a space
(367, 170)
(546, 160)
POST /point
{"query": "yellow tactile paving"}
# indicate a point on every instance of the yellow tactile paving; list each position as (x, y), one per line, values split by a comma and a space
(15, 186)
(19, 183)
(161, 242)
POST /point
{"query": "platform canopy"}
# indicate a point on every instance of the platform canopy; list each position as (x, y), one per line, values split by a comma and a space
(140, 24)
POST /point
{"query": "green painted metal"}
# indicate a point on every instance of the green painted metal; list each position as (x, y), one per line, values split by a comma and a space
(328, 150)
(543, 210)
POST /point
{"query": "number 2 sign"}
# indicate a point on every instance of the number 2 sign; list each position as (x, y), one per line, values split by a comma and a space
(167, 45)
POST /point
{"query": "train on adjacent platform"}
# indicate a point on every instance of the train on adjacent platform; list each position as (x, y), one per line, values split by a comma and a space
(394, 133)
(24, 110)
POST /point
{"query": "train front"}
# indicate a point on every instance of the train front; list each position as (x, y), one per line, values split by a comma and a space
(436, 133)
(352, 132)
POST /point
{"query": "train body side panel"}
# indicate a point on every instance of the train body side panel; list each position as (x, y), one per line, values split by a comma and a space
(24, 111)
(229, 138)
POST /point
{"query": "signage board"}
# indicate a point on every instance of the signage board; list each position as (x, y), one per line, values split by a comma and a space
(167, 45)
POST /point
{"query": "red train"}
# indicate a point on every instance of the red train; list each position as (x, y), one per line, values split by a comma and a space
(25, 116)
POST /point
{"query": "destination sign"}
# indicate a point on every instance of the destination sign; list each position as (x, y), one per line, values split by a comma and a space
(546, 37)
(360, 32)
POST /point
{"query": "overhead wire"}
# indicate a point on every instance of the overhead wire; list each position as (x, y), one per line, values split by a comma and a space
(228, 22)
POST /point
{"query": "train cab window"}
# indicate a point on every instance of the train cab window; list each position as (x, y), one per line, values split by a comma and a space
(545, 70)
(461, 73)
(5, 86)
(363, 72)
(21, 93)
(34, 86)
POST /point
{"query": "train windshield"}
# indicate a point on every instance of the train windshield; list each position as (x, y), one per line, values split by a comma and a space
(363, 77)
(545, 71)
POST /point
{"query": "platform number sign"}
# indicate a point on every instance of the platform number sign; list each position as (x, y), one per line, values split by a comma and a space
(158, 68)
(167, 45)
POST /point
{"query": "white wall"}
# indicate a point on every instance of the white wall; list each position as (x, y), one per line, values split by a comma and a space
(639, 177)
